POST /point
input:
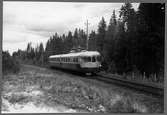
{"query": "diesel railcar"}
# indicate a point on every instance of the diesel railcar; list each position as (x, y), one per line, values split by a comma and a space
(83, 61)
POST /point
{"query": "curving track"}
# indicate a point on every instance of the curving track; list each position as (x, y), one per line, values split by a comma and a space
(145, 88)
(154, 90)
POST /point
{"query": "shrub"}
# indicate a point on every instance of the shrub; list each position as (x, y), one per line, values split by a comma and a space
(9, 64)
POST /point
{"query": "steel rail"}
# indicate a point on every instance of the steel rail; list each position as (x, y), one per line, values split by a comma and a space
(158, 91)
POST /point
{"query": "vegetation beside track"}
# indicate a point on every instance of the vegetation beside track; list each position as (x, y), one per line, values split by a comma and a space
(9, 63)
(59, 88)
(135, 80)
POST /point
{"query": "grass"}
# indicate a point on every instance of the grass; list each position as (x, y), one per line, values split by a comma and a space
(74, 92)
(136, 77)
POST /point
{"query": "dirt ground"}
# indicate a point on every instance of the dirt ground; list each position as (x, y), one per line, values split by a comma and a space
(40, 90)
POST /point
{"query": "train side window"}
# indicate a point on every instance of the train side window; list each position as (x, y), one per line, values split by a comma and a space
(87, 59)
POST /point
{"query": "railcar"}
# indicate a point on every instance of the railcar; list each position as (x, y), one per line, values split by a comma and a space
(83, 61)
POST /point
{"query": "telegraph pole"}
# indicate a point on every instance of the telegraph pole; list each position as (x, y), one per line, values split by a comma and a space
(87, 40)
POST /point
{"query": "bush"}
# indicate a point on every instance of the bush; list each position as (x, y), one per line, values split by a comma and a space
(9, 64)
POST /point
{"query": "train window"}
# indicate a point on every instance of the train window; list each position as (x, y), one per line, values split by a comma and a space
(87, 59)
(93, 59)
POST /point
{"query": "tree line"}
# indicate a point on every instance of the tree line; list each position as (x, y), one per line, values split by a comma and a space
(131, 42)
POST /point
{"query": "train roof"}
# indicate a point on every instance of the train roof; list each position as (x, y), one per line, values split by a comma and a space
(84, 53)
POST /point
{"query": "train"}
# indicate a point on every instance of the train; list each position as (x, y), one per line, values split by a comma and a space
(83, 61)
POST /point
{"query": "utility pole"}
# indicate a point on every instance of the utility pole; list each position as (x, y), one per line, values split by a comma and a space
(87, 40)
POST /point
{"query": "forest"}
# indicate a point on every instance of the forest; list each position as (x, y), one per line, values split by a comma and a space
(132, 42)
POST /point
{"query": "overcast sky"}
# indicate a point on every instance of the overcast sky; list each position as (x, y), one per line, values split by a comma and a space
(35, 22)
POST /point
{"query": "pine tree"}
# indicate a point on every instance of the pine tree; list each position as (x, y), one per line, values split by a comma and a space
(92, 41)
(110, 39)
(101, 35)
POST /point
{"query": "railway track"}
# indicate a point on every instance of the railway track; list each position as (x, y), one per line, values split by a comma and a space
(150, 89)
(154, 90)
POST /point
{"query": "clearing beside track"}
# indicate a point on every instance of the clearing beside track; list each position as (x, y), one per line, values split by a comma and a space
(36, 89)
